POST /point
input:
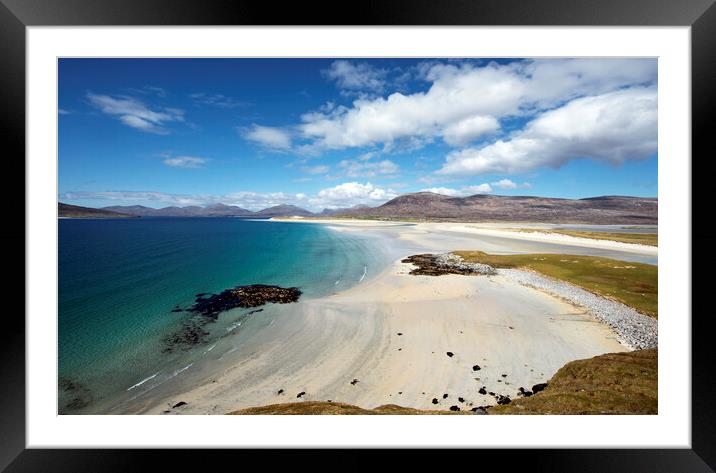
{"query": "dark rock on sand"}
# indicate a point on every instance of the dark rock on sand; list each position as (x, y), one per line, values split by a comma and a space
(301, 394)
(243, 296)
(354, 382)
(461, 399)
(179, 404)
(439, 264)
(435, 400)
(476, 368)
(280, 391)
(445, 396)
(454, 408)
(450, 354)
(538, 387)
(501, 400)
(482, 390)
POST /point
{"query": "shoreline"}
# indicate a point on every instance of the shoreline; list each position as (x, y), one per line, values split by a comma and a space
(387, 341)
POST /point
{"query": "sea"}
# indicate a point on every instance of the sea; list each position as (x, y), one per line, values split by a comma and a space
(124, 285)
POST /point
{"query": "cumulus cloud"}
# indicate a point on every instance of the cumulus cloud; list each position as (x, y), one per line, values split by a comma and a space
(185, 162)
(509, 184)
(484, 188)
(269, 137)
(349, 194)
(466, 102)
(356, 76)
(612, 127)
(135, 113)
(344, 195)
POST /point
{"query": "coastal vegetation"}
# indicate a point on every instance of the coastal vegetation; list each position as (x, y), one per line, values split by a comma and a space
(615, 383)
(633, 284)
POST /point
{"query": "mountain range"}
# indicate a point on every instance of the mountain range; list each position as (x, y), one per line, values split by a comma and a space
(615, 210)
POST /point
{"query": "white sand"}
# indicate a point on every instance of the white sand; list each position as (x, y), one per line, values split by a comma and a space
(319, 346)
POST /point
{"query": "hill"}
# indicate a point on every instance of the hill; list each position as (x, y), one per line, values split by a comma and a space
(75, 211)
(615, 210)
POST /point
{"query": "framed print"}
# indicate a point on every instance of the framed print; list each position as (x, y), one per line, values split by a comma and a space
(426, 226)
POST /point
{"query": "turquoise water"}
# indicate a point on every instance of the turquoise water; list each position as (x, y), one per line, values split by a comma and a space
(119, 280)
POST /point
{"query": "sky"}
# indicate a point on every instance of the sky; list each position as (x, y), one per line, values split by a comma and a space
(334, 133)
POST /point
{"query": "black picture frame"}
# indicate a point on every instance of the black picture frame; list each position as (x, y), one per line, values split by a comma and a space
(16, 15)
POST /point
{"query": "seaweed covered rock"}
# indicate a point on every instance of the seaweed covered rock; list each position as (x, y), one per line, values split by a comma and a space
(243, 296)
(446, 263)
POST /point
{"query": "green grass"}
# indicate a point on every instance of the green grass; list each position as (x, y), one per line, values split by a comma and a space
(651, 239)
(615, 383)
(633, 284)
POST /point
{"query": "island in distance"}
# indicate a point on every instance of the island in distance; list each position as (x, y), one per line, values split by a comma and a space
(613, 210)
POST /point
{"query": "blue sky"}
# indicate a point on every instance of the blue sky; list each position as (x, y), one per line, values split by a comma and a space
(327, 133)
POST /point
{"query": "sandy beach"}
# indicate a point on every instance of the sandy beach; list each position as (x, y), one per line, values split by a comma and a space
(402, 339)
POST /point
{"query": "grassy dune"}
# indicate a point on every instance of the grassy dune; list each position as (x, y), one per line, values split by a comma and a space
(616, 383)
(633, 284)
(650, 239)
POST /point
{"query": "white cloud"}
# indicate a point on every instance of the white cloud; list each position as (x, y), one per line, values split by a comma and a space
(464, 102)
(484, 188)
(136, 114)
(185, 162)
(355, 76)
(505, 184)
(343, 195)
(353, 168)
(270, 137)
(469, 129)
(349, 194)
(612, 127)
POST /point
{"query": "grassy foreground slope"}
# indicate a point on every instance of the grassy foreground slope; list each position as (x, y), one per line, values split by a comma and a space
(615, 383)
(334, 408)
(633, 284)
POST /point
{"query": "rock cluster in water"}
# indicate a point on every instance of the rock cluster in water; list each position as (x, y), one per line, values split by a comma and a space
(446, 263)
(243, 296)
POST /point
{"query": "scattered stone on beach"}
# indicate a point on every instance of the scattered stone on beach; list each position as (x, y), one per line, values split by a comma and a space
(502, 400)
(503, 375)
(450, 354)
(482, 390)
(301, 394)
(280, 391)
(435, 400)
(399, 334)
(476, 368)
(354, 382)
(538, 387)
(454, 408)
(445, 396)
(523, 392)
(446, 263)
(243, 296)
(179, 404)
(461, 399)
(490, 393)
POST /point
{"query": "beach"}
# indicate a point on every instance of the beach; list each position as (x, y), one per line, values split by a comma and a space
(427, 342)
